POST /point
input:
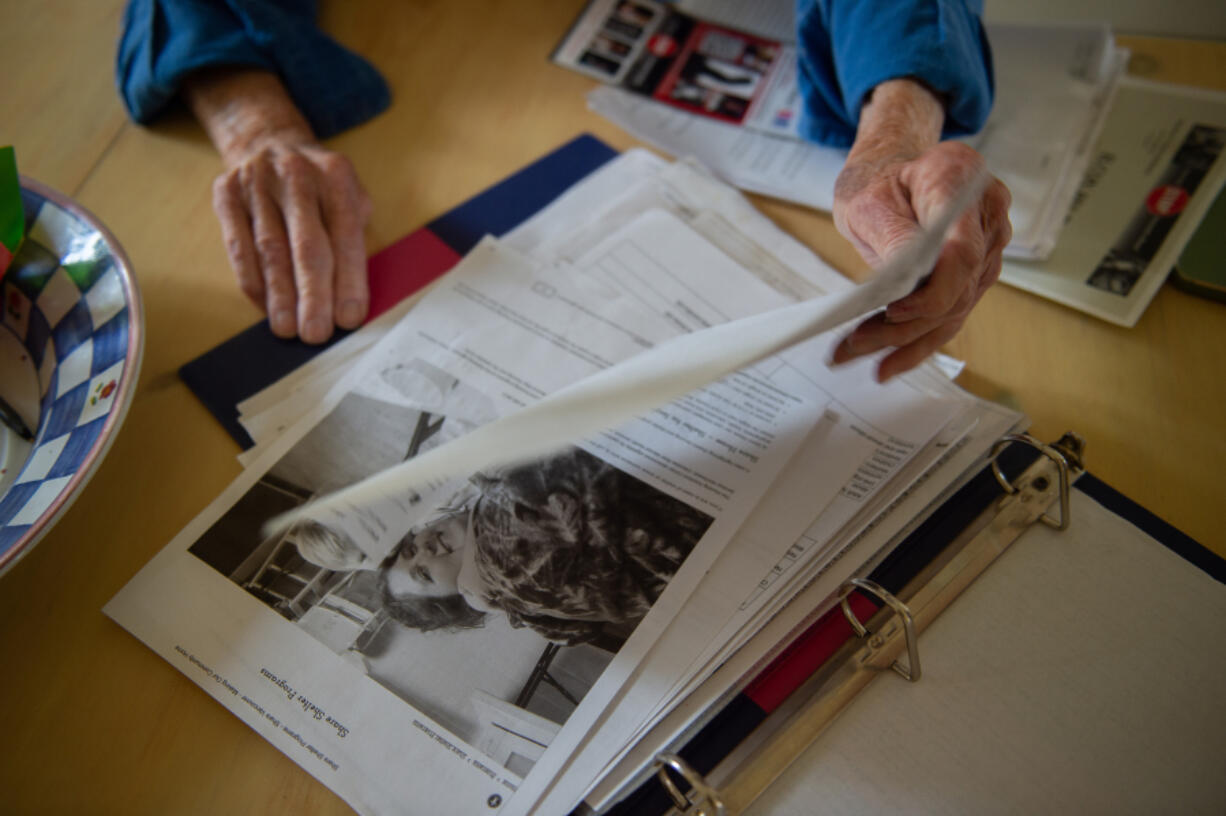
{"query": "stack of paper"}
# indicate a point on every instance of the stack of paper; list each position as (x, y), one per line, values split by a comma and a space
(734, 511)
(1054, 86)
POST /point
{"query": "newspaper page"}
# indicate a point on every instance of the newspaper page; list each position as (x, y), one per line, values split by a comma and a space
(657, 52)
(303, 635)
(1154, 172)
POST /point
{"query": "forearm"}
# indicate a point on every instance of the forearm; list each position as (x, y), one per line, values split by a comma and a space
(900, 119)
(245, 111)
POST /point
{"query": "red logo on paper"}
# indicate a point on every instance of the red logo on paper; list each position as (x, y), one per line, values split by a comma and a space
(662, 45)
(1166, 200)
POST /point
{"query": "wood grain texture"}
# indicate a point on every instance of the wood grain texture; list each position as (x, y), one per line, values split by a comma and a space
(59, 107)
(93, 721)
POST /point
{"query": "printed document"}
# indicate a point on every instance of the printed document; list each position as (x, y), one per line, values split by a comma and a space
(509, 634)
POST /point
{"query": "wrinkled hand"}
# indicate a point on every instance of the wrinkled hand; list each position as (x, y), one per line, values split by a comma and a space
(292, 217)
(292, 213)
(879, 209)
(882, 199)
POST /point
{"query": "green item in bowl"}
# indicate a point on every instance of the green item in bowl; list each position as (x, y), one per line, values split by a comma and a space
(12, 216)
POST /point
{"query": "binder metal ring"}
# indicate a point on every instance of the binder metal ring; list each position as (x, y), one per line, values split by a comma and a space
(1051, 453)
(708, 797)
(912, 670)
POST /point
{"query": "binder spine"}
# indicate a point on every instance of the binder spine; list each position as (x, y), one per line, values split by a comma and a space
(878, 644)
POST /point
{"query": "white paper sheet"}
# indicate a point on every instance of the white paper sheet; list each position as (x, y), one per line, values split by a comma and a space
(648, 380)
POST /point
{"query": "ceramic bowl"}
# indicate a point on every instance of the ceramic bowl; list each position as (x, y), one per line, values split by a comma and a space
(70, 350)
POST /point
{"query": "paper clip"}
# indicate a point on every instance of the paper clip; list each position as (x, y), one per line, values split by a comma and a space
(707, 803)
(912, 670)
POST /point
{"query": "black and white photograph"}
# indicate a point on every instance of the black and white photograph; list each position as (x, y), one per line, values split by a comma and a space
(501, 606)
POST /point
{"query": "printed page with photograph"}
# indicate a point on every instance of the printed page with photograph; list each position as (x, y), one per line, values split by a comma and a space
(655, 51)
(490, 626)
(653, 244)
(774, 19)
(1154, 172)
(323, 630)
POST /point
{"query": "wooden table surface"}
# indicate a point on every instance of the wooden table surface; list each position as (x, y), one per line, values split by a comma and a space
(94, 722)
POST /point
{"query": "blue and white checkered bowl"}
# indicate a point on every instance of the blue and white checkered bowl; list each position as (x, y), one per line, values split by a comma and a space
(71, 301)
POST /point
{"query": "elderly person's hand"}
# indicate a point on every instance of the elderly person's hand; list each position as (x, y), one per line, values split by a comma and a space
(292, 213)
(898, 179)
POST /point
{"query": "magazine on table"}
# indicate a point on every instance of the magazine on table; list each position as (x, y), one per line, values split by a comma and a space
(657, 51)
(1154, 172)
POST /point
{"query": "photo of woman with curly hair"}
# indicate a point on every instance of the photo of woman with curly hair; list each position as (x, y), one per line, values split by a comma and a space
(568, 546)
(498, 609)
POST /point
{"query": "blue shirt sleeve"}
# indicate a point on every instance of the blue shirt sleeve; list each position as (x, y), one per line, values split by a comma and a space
(848, 47)
(163, 41)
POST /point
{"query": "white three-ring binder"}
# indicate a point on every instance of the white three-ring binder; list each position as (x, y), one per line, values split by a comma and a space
(1100, 692)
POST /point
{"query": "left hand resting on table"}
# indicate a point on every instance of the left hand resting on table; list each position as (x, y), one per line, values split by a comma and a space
(898, 179)
(292, 212)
